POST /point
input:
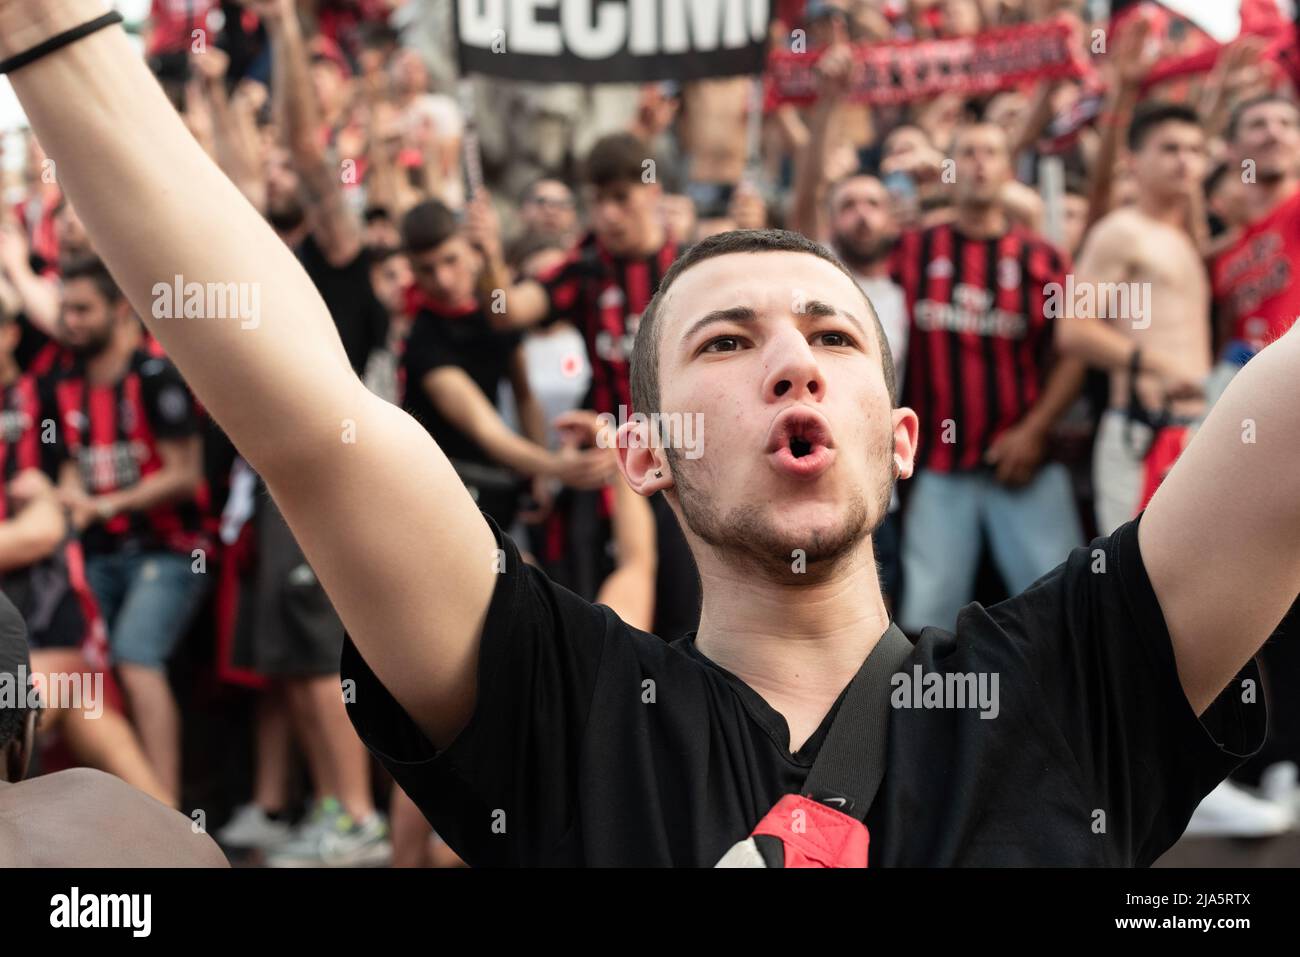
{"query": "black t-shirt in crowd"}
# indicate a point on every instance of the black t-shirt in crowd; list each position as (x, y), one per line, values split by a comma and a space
(358, 315)
(444, 336)
(594, 744)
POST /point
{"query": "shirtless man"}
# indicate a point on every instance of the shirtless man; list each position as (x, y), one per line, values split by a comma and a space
(1145, 254)
(516, 715)
(77, 818)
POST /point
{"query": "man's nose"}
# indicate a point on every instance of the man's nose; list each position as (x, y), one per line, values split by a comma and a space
(792, 369)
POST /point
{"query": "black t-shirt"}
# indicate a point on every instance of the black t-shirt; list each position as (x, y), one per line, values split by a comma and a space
(359, 316)
(592, 743)
(454, 337)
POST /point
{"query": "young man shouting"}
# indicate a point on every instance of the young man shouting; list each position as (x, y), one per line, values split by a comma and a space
(533, 728)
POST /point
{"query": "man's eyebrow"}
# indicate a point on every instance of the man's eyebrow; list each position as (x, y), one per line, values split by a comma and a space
(734, 314)
(824, 310)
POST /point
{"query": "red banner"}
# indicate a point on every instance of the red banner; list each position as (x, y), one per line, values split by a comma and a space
(903, 71)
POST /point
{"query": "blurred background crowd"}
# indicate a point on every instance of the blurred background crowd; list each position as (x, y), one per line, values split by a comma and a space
(1068, 270)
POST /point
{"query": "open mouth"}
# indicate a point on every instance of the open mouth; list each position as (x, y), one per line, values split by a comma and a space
(800, 443)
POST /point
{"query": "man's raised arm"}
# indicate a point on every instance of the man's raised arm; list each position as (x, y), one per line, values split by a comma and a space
(1221, 538)
(401, 549)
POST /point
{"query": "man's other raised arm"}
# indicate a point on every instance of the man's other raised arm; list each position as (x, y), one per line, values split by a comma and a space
(1221, 537)
(401, 549)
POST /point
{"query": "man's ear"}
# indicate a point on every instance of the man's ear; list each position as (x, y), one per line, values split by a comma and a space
(641, 459)
(906, 428)
(18, 756)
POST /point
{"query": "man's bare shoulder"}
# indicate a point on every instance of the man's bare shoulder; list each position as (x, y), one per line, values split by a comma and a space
(86, 818)
(1125, 222)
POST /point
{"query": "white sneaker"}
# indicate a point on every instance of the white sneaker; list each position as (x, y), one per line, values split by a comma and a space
(1232, 811)
(330, 838)
(1280, 783)
(249, 828)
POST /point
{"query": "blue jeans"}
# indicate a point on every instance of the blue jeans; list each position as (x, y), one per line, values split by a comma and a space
(1030, 531)
(147, 600)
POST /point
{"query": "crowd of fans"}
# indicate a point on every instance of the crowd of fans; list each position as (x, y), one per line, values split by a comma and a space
(141, 548)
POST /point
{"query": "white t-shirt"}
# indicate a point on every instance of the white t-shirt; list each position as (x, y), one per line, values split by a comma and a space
(891, 306)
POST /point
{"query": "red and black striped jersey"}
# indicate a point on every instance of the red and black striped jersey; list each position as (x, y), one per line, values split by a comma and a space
(20, 434)
(980, 343)
(603, 296)
(112, 433)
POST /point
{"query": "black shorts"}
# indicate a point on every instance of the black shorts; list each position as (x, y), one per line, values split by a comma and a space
(49, 605)
(285, 618)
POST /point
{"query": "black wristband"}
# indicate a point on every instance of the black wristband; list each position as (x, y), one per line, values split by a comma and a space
(58, 41)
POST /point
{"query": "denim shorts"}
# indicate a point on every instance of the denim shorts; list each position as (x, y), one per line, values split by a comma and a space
(147, 600)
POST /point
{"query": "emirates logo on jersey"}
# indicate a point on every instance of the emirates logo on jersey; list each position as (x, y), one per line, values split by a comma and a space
(76, 420)
(940, 268)
(611, 298)
(1008, 273)
(14, 424)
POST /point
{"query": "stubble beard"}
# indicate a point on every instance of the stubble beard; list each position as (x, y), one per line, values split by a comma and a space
(747, 539)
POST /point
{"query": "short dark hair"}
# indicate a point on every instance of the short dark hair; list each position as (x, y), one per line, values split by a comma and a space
(378, 255)
(615, 159)
(528, 245)
(531, 189)
(645, 350)
(13, 718)
(1239, 111)
(93, 269)
(15, 660)
(427, 226)
(1156, 113)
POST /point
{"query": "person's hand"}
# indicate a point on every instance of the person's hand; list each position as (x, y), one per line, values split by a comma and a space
(924, 164)
(584, 432)
(543, 501)
(747, 209)
(251, 94)
(1244, 70)
(211, 64)
(81, 507)
(482, 227)
(1131, 55)
(834, 73)
(1017, 453)
(29, 485)
(583, 468)
(583, 428)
